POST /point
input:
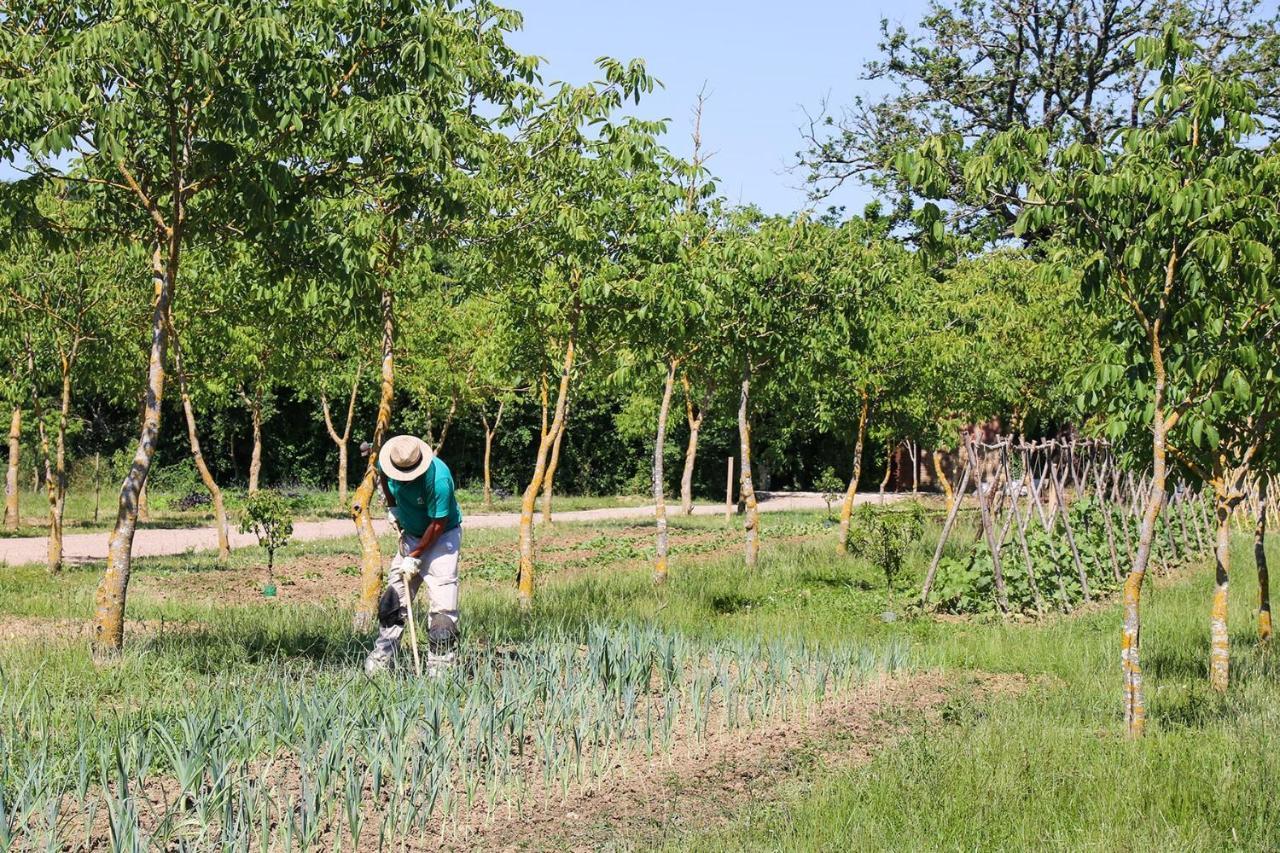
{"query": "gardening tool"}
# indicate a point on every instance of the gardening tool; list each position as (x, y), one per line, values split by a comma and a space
(394, 524)
(413, 628)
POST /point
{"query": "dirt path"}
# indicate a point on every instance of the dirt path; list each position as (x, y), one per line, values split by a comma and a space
(88, 547)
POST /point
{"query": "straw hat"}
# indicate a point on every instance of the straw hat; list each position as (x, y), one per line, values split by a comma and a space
(405, 457)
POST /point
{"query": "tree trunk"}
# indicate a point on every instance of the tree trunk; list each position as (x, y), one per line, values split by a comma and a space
(362, 504)
(345, 438)
(197, 455)
(58, 482)
(1135, 709)
(12, 510)
(1219, 641)
(1260, 557)
(691, 451)
(524, 575)
(850, 494)
(550, 479)
(255, 458)
(109, 600)
(490, 429)
(751, 525)
(659, 485)
(888, 470)
(448, 422)
(942, 479)
(53, 549)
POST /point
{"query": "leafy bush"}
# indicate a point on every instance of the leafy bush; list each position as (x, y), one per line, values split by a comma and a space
(268, 516)
(882, 536)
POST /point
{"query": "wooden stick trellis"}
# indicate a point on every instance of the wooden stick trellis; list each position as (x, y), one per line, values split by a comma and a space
(1054, 474)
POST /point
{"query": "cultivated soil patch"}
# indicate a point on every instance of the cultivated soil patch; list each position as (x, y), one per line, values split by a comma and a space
(333, 578)
(699, 788)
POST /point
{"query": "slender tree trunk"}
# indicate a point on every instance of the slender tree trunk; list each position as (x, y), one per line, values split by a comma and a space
(524, 576)
(850, 494)
(888, 470)
(345, 438)
(58, 482)
(549, 481)
(197, 455)
(662, 542)
(97, 484)
(942, 479)
(751, 524)
(109, 600)
(1260, 557)
(1135, 708)
(12, 509)
(255, 457)
(691, 451)
(448, 422)
(1219, 640)
(490, 429)
(144, 505)
(53, 548)
(362, 503)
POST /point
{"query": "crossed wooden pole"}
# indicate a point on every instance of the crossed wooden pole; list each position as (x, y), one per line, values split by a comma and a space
(1015, 482)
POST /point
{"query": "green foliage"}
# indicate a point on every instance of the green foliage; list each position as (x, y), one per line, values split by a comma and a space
(882, 536)
(831, 486)
(268, 515)
(966, 583)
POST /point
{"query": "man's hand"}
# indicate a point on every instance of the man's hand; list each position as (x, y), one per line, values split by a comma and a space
(434, 529)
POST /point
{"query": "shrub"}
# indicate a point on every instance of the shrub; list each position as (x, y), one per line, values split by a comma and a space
(268, 516)
(882, 536)
(831, 487)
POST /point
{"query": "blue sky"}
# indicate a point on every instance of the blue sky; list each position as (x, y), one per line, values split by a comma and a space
(761, 62)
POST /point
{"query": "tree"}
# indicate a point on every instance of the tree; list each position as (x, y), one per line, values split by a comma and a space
(268, 517)
(980, 67)
(567, 190)
(1171, 222)
(771, 277)
(61, 298)
(183, 122)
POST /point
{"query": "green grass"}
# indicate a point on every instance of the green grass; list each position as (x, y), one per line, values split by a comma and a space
(1047, 769)
(1050, 769)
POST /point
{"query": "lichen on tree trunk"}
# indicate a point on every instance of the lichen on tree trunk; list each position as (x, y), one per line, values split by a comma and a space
(941, 474)
(751, 522)
(362, 503)
(112, 591)
(662, 540)
(1135, 709)
(850, 494)
(1219, 641)
(525, 571)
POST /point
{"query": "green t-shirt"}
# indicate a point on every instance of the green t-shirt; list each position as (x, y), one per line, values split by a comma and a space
(420, 502)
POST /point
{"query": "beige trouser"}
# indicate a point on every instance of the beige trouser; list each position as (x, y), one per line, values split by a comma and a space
(438, 566)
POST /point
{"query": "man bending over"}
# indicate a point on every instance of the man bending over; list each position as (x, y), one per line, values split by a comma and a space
(419, 490)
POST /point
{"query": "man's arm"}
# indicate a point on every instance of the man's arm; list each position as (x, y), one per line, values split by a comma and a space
(434, 529)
